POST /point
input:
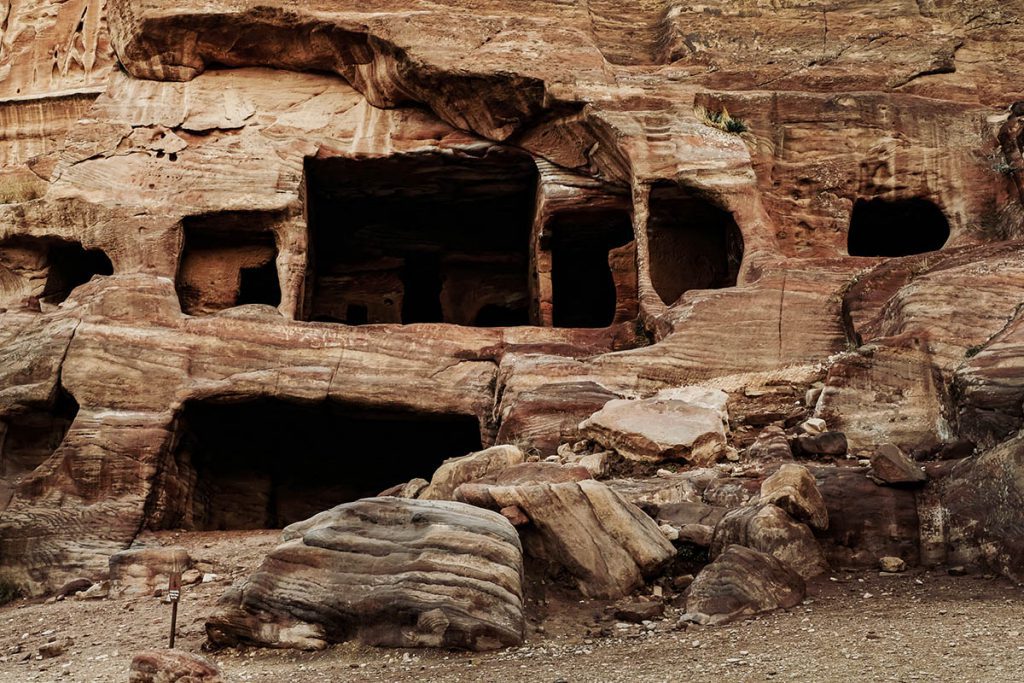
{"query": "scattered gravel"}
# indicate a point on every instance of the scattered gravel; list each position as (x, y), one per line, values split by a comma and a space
(913, 626)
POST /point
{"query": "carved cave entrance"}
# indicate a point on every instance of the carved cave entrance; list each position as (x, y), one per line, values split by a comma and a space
(692, 243)
(267, 463)
(47, 268)
(903, 227)
(228, 260)
(28, 438)
(593, 267)
(437, 237)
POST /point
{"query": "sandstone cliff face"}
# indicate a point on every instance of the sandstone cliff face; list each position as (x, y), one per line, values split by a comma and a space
(347, 221)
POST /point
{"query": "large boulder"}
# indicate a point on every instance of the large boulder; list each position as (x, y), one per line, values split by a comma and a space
(768, 529)
(889, 465)
(608, 545)
(172, 666)
(458, 471)
(867, 522)
(742, 582)
(793, 489)
(983, 501)
(384, 571)
(826, 443)
(687, 423)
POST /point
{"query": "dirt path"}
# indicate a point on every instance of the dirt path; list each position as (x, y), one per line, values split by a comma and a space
(916, 626)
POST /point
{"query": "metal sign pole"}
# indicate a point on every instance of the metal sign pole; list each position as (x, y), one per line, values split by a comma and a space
(173, 594)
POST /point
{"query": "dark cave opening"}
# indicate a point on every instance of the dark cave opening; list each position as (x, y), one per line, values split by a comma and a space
(259, 285)
(29, 437)
(901, 227)
(267, 463)
(585, 266)
(692, 243)
(228, 259)
(439, 237)
(70, 266)
(52, 267)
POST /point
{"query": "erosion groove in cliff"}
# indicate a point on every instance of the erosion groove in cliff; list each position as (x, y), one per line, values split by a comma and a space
(494, 105)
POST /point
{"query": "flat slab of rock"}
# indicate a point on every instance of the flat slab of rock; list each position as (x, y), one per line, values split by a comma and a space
(457, 471)
(653, 492)
(742, 582)
(793, 489)
(607, 544)
(889, 465)
(534, 473)
(770, 530)
(144, 570)
(688, 423)
(384, 571)
(172, 666)
(680, 514)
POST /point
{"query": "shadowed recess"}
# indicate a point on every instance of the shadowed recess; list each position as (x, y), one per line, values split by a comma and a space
(903, 227)
(30, 436)
(48, 268)
(229, 259)
(266, 463)
(584, 269)
(692, 243)
(437, 237)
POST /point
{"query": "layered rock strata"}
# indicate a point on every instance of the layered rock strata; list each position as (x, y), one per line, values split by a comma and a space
(221, 214)
(384, 571)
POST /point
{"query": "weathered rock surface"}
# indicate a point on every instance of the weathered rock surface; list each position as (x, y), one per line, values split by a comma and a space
(688, 423)
(982, 501)
(533, 473)
(655, 492)
(742, 582)
(771, 444)
(450, 475)
(889, 465)
(698, 534)
(730, 492)
(605, 543)
(989, 385)
(384, 571)
(681, 514)
(826, 443)
(867, 521)
(725, 260)
(550, 414)
(768, 529)
(172, 666)
(793, 489)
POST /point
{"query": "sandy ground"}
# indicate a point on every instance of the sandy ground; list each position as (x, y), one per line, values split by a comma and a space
(916, 626)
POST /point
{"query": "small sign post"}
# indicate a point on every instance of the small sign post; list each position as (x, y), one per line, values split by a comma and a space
(174, 594)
